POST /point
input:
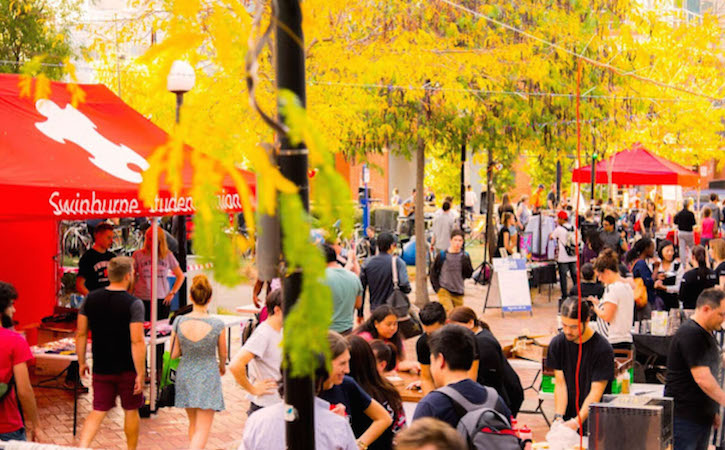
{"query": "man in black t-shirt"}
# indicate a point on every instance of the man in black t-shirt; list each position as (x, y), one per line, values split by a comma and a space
(692, 367)
(92, 267)
(432, 317)
(115, 319)
(595, 372)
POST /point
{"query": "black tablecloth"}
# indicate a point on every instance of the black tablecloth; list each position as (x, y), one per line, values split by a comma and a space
(649, 344)
(542, 275)
(651, 354)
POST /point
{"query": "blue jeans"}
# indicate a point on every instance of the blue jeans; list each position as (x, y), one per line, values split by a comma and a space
(690, 435)
(18, 435)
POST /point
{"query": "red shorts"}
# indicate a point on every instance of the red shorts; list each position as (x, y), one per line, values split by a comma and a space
(107, 387)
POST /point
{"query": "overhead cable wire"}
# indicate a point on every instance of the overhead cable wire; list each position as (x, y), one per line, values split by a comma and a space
(587, 59)
(522, 94)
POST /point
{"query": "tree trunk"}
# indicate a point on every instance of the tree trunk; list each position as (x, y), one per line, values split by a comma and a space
(421, 244)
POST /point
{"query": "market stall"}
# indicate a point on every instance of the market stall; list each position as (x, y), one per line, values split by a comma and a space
(65, 162)
(636, 166)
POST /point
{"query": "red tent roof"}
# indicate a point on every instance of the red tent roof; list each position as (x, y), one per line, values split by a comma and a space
(637, 166)
(62, 162)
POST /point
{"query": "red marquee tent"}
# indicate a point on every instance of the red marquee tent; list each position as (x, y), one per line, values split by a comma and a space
(637, 166)
(61, 162)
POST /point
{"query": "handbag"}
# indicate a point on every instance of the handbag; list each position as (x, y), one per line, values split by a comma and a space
(167, 386)
(640, 293)
(408, 323)
(398, 300)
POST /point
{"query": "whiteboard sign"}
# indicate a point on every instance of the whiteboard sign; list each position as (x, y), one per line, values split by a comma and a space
(513, 284)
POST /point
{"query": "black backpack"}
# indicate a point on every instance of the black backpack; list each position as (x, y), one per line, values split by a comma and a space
(481, 425)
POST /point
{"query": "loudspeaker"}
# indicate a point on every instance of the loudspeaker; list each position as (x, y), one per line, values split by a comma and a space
(484, 201)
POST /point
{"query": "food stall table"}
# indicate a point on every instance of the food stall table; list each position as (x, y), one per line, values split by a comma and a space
(540, 273)
(64, 350)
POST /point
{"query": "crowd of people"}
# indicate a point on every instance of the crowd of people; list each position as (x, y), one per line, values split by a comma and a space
(627, 269)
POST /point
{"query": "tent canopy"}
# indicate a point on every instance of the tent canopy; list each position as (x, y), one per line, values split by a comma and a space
(60, 162)
(637, 166)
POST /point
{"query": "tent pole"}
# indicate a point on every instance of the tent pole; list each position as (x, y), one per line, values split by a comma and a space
(154, 309)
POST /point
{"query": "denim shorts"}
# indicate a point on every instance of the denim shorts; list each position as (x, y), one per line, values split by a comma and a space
(18, 435)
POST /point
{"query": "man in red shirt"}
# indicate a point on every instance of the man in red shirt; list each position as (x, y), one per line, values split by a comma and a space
(14, 378)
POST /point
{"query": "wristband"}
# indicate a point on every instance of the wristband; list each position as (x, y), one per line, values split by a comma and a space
(558, 417)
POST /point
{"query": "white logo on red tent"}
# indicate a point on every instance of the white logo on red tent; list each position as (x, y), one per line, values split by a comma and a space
(69, 124)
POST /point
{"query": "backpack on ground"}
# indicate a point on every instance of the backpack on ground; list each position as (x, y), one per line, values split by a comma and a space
(481, 425)
(483, 273)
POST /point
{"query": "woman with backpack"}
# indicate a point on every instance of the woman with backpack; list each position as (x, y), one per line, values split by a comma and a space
(383, 324)
(363, 370)
(15, 387)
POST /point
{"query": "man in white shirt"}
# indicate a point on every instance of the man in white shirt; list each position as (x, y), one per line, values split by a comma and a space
(263, 353)
(443, 224)
(470, 200)
(565, 261)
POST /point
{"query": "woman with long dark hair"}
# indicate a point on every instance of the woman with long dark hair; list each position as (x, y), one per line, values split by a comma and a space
(363, 370)
(507, 234)
(383, 324)
(637, 257)
(669, 277)
(494, 369)
(367, 416)
(698, 279)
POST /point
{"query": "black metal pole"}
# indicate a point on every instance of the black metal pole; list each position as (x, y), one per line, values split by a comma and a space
(181, 221)
(463, 184)
(298, 392)
(558, 182)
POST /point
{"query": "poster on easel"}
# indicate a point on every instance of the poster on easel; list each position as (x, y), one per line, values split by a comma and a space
(512, 282)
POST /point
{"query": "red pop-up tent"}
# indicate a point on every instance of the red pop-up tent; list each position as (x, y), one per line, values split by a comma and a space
(61, 162)
(637, 166)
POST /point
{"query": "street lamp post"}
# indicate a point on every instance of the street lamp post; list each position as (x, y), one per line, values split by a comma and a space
(181, 80)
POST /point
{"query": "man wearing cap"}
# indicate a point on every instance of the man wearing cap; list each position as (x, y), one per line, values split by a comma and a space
(566, 262)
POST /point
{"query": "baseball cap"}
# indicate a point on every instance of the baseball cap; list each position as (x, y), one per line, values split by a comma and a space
(562, 215)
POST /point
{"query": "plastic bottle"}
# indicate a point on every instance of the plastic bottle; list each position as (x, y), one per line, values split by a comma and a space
(625, 382)
(525, 433)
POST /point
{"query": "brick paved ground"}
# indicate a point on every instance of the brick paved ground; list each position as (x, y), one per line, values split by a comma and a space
(168, 429)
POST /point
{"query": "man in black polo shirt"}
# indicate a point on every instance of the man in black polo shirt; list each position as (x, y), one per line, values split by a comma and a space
(595, 372)
(692, 367)
(115, 320)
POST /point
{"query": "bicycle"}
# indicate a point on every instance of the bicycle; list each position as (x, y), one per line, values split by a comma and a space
(76, 238)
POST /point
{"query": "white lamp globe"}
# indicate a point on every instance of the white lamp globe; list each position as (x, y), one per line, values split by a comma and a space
(181, 77)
